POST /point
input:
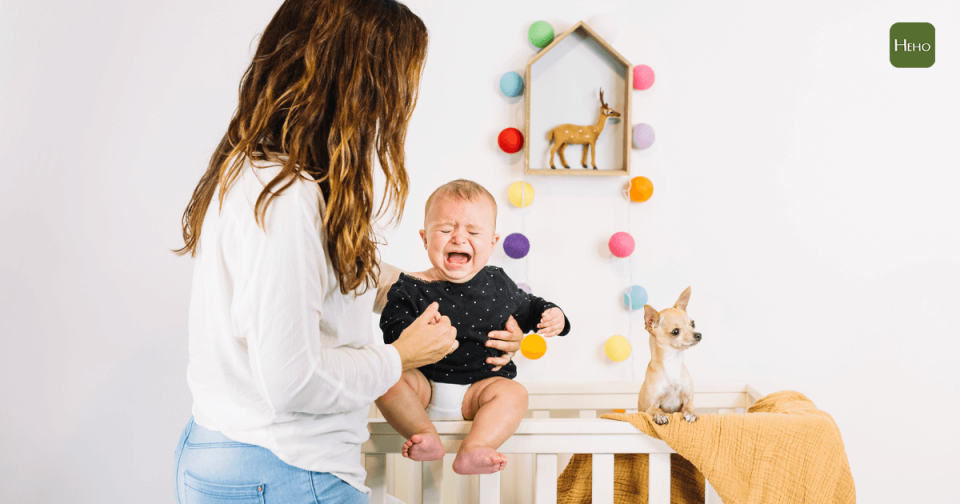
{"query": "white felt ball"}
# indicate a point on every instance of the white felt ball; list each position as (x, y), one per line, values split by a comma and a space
(604, 25)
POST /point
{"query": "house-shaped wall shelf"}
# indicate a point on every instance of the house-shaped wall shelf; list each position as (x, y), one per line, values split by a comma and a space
(563, 82)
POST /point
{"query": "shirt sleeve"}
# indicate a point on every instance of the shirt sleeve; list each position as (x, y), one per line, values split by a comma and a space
(398, 314)
(531, 309)
(277, 310)
(388, 276)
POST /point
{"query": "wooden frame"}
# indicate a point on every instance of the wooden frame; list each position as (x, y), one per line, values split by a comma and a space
(625, 114)
(550, 441)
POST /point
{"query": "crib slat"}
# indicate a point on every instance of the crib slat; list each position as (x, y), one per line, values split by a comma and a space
(546, 492)
(376, 466)
(416, 483)
(468, 488)
(659, 479)
(432, 488)
(490, 488)
(391, 473)
(711, 497)
(450, 487)
(562, 460)
(603, 478)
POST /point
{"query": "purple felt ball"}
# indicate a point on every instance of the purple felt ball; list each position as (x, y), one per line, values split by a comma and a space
(643, 136)
(621, 244)
(516, 245)
(526, 288)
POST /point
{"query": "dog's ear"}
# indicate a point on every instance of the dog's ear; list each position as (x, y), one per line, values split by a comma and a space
(683, 300)
(650, 316)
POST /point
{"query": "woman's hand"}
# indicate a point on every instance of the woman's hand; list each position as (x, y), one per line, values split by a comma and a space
(507, 341)
(427, 340)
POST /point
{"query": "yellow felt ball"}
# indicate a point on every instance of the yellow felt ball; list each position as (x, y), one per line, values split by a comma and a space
(533, 346)
(520, 194)
(617, 348)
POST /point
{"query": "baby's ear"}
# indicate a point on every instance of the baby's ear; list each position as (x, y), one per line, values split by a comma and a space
(650, 316)
(683, 300)
(496, 238)
(423, 236)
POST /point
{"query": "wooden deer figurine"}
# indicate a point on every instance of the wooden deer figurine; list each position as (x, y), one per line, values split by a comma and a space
(566, 134)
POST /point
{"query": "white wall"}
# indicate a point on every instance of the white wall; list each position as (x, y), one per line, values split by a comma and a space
(805, 188)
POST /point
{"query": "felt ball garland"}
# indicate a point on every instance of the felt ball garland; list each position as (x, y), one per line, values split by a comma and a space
(617, 348)
(640, 189)
(621, 244)
(643, 77)
(516, 245)
(533, 346)
(520, 194)
(511, 84)
(510, 140)
(540, 34)
(635, 297)
(643, 136)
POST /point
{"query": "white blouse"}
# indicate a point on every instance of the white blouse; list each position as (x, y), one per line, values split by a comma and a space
(278, 357)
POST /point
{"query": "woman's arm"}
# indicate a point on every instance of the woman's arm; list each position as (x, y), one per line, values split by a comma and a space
(277, 312)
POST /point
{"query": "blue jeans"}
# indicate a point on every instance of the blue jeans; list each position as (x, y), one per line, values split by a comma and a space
(210, 468)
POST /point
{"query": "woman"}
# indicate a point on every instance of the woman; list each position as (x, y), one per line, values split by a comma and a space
(283, 361)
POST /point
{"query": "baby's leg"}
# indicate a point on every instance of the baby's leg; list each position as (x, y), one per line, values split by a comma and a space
(403, 408)
(496, 406)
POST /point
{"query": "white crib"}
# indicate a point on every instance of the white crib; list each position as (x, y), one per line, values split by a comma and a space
(562, 420)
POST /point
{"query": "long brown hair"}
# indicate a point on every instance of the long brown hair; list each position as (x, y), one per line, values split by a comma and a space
(332, 82)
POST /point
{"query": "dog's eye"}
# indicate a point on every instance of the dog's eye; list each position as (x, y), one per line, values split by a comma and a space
(693, 325)
(675, 332)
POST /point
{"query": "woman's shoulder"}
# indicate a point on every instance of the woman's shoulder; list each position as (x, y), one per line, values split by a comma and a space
(291, 193)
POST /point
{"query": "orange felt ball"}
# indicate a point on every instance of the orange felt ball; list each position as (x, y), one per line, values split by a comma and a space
(533, 346)
(640, 189)
(510, 140)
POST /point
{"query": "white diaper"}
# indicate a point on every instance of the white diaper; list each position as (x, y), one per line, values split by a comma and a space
(446, 401)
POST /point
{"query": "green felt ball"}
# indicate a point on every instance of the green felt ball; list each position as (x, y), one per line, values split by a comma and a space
(540, 34)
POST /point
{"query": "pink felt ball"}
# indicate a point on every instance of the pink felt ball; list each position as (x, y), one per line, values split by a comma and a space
(510, 140)
(621, 244)
(642, 77)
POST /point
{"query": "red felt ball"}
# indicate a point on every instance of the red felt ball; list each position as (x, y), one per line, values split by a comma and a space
(510, 140)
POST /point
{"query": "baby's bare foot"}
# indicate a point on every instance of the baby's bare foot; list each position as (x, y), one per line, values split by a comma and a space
(479, 460)
(423, 447)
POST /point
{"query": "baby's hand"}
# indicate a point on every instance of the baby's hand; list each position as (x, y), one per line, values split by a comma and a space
(551, 323)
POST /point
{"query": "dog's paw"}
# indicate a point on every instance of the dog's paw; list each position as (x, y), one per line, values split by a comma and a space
(661, 419)
(690, 417)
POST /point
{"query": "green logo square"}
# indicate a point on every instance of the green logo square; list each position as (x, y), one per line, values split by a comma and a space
(912, 45)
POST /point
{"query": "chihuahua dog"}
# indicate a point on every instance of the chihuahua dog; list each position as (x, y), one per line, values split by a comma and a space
(667, 387)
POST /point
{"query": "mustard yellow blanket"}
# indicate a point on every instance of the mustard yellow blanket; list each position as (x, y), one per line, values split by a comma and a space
(784, 450)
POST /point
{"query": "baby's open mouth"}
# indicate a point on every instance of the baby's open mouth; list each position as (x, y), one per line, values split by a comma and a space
(458, 258)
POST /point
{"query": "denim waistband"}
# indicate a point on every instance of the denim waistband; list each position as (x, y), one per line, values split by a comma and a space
(201, 436)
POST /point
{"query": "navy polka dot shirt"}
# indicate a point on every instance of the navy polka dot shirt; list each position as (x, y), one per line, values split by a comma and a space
(476, 307)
